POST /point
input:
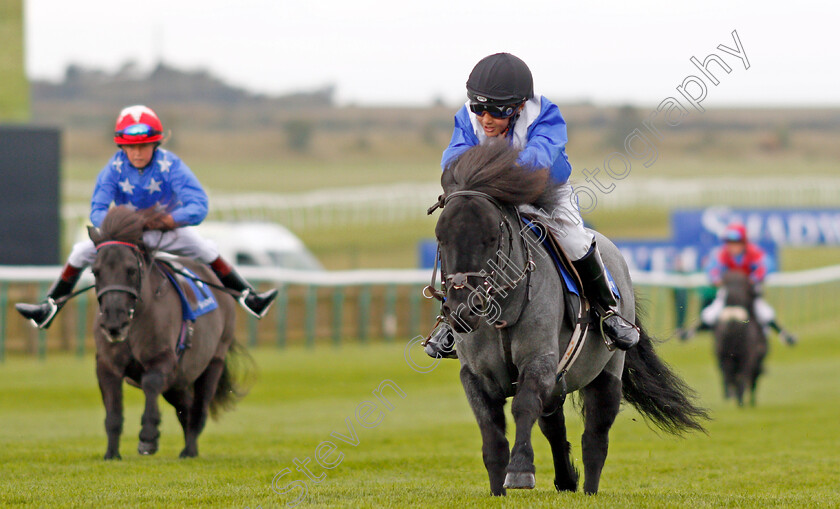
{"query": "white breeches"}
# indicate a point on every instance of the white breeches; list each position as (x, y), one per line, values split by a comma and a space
(764, 313)
(180, 241)
(564, 222)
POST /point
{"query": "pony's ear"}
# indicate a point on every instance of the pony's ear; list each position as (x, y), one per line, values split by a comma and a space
(94, 234)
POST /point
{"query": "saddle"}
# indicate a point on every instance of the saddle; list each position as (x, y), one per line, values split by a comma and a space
(196, 298)
(569, 277)
(578, 310)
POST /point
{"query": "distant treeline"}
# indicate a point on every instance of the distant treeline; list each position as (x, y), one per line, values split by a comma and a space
(166, 84)
(198, 104)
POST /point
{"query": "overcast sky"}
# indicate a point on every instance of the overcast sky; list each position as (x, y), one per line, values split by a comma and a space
(391, 52)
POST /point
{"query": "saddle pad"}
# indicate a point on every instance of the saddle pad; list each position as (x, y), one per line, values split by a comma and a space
(539, 230)
(196, 297)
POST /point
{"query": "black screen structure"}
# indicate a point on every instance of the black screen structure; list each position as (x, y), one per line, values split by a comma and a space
(30, 204)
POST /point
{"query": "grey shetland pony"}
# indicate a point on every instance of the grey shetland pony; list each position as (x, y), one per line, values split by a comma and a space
(516, 353)
(136, 333)
(740, 343)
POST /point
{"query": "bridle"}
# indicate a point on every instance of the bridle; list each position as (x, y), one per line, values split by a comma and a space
(487, 288)
(134, 292)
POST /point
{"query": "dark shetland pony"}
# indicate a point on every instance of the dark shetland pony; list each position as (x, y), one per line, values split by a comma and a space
(509, 343)
(740, 343)
(136, 332)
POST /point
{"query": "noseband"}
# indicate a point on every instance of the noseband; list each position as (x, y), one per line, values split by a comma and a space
(134, 292)
(486, 289)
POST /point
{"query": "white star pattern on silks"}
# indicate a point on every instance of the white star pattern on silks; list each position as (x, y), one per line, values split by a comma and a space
(130, 206)
(160, 207)
(153, 187)
(164, 164)
(117, 165)
(136, 112)
(126, 186)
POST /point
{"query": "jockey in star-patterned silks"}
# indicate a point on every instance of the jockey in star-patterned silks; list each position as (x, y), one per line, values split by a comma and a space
(738, 254)
(141, 175)
(501, 105)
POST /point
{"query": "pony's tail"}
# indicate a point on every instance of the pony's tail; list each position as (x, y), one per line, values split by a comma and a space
(661, 396)
(236, 380)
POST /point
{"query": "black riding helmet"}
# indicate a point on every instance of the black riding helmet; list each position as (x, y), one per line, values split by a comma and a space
(500, 78)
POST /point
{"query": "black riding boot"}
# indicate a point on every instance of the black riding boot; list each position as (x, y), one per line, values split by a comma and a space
(41, 315)
(255, 303)
(441, 343)
(591, 269)
(785, 336)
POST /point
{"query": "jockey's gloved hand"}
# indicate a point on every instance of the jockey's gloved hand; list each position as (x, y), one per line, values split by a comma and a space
(158, 221)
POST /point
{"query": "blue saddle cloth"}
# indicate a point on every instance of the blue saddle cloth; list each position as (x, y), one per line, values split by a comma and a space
(571, 285)
(203, 300)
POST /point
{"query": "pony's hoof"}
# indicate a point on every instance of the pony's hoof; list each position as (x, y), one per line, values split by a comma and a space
(188, 454)
(147, 448)
(520, 481)
(112, 456)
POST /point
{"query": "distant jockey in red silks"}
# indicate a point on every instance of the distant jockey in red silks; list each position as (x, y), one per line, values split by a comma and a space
(738, 254)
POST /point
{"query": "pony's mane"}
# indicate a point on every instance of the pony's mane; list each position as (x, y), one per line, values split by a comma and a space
(492, 168)
(125, 225)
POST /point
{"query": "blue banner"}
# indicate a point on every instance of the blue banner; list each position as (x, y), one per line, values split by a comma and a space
(784, 227)
(426, 250)
(654, 255)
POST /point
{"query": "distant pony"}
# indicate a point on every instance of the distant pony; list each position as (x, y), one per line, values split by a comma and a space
(137, 333)
(740, 343)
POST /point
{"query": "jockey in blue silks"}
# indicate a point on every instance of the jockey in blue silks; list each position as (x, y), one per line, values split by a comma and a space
(141, 175)
(501, 103)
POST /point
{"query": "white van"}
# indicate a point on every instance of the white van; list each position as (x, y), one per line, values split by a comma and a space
(261, 244)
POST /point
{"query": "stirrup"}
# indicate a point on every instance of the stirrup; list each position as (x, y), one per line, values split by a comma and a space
(608, 339)
(243, 297)
(47, 321)
(788, 338)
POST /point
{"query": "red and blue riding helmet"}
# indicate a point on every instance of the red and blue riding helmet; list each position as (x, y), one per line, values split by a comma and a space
(735, 232)
(138, 124)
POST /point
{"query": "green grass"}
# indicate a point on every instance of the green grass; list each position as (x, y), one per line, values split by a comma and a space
(426, 451)
(277, 176)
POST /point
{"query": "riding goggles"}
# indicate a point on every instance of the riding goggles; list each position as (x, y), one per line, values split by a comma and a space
(137, 131)
(495, 110)
(733, 236)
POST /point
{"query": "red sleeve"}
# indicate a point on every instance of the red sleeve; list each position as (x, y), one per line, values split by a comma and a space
(758, 263)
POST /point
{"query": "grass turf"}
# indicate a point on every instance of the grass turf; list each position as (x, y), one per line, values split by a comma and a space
(425, 451)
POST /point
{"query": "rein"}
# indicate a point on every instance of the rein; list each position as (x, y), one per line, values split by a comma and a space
(459, 280)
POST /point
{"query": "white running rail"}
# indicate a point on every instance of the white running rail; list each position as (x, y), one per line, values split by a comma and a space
(399, 202)
(47, 274)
